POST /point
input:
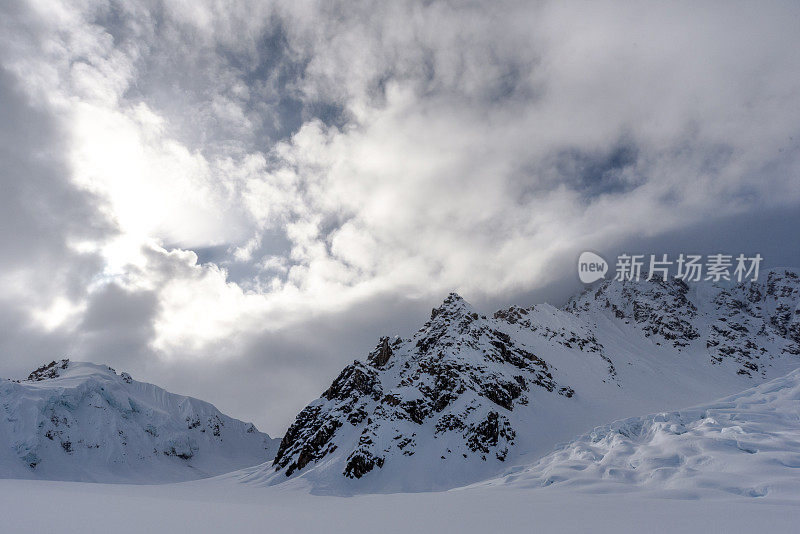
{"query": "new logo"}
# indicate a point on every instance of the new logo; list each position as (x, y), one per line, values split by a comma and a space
(591, 267)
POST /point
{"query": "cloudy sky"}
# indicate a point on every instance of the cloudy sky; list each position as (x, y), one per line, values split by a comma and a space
(235, 199)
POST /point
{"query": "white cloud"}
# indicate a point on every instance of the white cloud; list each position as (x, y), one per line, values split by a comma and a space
(448, 175)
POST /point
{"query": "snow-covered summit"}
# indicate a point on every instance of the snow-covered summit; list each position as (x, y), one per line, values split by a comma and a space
(467, 394)
(66, 369)
(82, 421)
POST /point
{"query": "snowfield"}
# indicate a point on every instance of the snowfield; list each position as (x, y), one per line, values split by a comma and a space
(222, 505)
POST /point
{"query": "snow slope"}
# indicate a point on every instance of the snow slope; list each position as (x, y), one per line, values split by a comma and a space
(467, 395)
(747, 444)
(81, 421)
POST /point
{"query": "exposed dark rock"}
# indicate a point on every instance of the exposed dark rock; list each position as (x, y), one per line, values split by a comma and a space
(354, 380)
(382, 353)
(46, 372)
(361, 462)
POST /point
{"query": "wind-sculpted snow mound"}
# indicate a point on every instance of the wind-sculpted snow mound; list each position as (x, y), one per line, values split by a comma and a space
(81, 421)
(746, 444)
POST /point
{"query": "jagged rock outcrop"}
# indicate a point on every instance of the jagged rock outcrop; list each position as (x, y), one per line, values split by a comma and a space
(458, 376)
(48, 371)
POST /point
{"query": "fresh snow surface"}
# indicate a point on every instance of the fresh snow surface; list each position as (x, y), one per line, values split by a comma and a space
(84, 422)
(221, 505)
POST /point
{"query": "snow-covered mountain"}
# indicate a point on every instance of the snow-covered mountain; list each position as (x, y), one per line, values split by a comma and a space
(746, 444)
(468, 395)
(745, 326)
(81, 421)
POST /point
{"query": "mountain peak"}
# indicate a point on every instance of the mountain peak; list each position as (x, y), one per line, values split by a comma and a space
(83, 421)
(454, 305)
(67, 368)
(447, 392)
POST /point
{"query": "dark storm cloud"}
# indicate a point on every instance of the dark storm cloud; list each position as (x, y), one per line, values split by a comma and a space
(24, 346)
(594, 174)
(40, 213)
(117, 326)
(39, 209)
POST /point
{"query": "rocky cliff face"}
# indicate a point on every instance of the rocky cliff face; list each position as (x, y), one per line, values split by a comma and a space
(467, 394)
